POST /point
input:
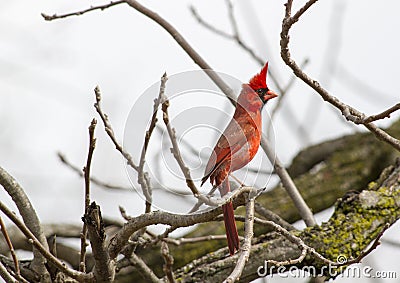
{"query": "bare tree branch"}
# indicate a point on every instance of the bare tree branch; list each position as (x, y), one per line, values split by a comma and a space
(248, 236)
(287, 182)
(27, 274)
(382, 115)
(110, 131)
(269, 215)
(81, 12)
(235, 36)
(6, 275)
(94, 180)
(209, 26)
(29, 216)
(86, 171)
(12, 251)
(348, 112)
(175, 148)
(186, 47)
(145, 271)
(143, 178)
(169, 261)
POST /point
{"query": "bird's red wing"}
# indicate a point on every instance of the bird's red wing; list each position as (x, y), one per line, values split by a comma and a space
(232, 140)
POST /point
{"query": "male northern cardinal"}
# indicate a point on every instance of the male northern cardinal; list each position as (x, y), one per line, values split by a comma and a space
(238, 145)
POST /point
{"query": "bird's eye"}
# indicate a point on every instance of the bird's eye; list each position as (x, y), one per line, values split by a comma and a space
(262, 91)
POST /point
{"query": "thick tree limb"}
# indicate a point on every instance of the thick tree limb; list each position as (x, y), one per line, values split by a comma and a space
(104, 269)
(30, 218)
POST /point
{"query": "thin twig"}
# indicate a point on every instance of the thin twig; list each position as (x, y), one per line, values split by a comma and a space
(279, 229)
(248, 236)
(287, 182)
(110, 131)
(209, 26)
(282, 95)
(6, 275)
(175, 148)
(236, 37)
(10, 246)
(143, 178)
(186, 47)
(81, 12)
(269, 215)
(27, 274)
(94, 180)
(166, 233)
(144, 270)
(200, 202)
(382, 115)
(77, 275)
(350, 113)
(169, 261)
(122, 210)
(86, 172)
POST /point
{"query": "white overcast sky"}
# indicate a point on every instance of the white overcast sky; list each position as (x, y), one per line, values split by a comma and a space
(48, 71)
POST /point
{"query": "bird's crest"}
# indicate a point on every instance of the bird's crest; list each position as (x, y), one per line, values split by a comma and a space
(259, 80)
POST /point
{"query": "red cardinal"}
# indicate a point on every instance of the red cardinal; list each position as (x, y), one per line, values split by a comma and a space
(238, 145)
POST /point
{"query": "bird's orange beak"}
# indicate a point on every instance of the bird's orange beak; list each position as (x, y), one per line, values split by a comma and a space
(270, 94)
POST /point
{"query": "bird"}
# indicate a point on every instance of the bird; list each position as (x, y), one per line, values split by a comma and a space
(238, 145)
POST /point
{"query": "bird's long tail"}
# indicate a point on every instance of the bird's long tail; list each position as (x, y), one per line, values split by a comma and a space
(230, 228)
(229, 220)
